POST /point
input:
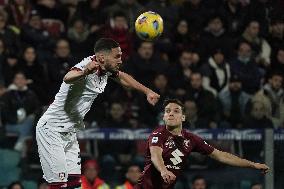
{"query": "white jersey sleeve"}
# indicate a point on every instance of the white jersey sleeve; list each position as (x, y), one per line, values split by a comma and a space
(81, 65)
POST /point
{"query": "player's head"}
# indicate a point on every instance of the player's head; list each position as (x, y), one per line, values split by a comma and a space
(133, 174)
(174, 113)
(108, 54)
(198, 182)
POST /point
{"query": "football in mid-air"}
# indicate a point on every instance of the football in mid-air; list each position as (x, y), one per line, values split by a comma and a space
(149, 26)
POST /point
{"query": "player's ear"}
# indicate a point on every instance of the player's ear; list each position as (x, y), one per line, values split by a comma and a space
(100, 58)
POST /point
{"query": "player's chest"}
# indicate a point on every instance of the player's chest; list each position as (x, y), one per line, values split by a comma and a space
(181, 147)
(96, 83)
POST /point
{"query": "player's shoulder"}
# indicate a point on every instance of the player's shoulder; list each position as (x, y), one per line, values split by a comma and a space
(159, 130)
(85, 61)
(189, 135)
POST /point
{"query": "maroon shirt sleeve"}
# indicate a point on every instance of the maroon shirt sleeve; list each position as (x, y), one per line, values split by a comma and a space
(156, 139)
(201, 146)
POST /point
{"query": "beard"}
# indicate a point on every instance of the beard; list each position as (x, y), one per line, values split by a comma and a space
(111, 69)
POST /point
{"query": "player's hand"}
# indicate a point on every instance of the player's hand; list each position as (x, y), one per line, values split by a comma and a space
(262, 167)
(91, 67)
(152, 97)
(168, 176)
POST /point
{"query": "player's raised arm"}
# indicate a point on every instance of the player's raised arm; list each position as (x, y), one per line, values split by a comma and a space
(233, 160)
(128, 81)
(157, 160)
(77, 73)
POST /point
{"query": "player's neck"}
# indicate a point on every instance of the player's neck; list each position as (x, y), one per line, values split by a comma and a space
(175, 130)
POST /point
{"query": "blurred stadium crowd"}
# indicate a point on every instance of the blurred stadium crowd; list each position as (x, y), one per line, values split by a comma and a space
(223, 58)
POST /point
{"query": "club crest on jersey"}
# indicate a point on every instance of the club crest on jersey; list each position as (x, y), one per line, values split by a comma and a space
(170, 143)
(61, 176)
(186, 143)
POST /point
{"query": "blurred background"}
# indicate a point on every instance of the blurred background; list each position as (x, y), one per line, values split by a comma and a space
(223, 58)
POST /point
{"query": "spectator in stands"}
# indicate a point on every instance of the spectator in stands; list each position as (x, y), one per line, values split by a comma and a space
(258, 118)
(214, 37)
(182, 38)
(91, 11)
(10, 38)
(10, 67)
(198, 182)
(33, 33)
(245, 67)
(2, 59)
(90, 179)
(42, 184)
(16, 185)
(261, 50)
(276, 35)
(278, 63)
(80, 41)
(2, 90)
(272, 96)
(234, 14)
(35, 73)
(53, 16)
(216, 72)
(121, 150)
(115, 117)
(145, 64)
(256, 186)
(162, 88)
(132, 176)
(118, 30)
(59, 64)
(18, 12)
(234, 102)
(180, 72)
(195, 13)
(206, 102)
(131, 8)
(193, 121)
(20, 106)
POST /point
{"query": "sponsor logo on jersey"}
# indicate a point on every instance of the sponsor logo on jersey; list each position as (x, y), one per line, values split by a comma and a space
(186, 143)
(61, 176)
(155, 139)
(177, 154)
(170, 143)
(172, 167)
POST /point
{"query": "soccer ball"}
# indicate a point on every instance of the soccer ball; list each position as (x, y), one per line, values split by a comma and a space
(149, 26)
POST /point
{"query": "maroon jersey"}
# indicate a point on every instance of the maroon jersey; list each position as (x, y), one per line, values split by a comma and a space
(176, 149)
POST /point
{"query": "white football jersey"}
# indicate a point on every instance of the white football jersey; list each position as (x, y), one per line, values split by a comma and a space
(73, 101)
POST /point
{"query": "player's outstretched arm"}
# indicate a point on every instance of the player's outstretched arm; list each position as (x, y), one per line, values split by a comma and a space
(128, 81)
(76, 74)
(233, 160)
(157, 160)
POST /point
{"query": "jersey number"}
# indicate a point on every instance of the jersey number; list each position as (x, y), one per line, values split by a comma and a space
(176, 159)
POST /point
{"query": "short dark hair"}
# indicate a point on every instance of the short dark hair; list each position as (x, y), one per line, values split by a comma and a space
(105, 44)
(197, 177)
(175, 101)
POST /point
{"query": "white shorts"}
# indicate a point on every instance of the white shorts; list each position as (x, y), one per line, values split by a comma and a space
(59, 153)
